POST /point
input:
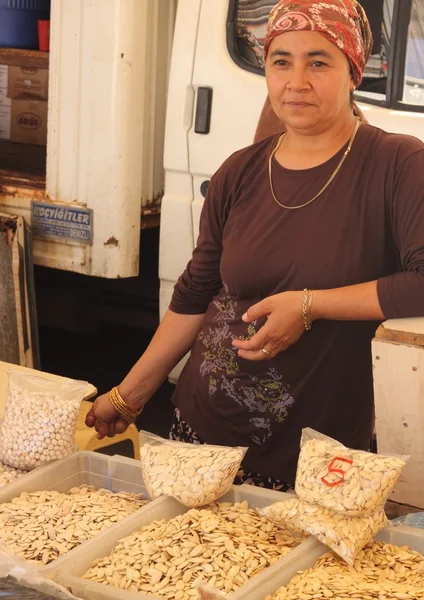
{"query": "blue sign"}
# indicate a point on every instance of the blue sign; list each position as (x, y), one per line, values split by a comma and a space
(66, 223)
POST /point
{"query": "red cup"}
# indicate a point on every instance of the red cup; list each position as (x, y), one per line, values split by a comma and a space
(44, 36)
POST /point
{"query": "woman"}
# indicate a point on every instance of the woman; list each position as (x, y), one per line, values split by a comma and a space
(307, 241)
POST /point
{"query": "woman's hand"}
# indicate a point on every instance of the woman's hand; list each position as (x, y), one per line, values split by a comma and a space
(283, 327)
(105, 419)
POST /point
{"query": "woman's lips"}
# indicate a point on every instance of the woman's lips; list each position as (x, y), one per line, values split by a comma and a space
(299, 104)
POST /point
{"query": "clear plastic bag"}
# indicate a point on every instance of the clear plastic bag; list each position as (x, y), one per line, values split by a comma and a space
(412, 520)
(346, 536)
(40, 419)
(20, 581)
(351, 482)
(193, 474)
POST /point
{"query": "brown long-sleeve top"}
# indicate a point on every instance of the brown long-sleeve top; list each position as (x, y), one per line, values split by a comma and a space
(368, 225)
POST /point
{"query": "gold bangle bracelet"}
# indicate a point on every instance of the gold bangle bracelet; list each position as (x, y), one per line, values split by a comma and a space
(121, 406)
(306, 309)
(124, 408)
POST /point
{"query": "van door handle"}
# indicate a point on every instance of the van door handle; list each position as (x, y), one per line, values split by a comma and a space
(203, 110)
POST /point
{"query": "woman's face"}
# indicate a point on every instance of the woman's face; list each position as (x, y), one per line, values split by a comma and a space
(309, 81)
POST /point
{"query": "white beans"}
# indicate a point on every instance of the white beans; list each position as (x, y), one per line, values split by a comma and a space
(39, 422)
(9, 474)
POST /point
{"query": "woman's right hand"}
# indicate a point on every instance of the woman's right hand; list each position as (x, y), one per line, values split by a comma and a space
(105, 419)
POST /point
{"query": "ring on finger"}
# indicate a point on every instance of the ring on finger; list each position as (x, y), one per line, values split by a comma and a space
(266, 352)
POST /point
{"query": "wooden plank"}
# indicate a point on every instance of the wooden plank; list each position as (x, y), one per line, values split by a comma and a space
(9, 346)
(17, 57)
(400, 337)
(399, 405)
(21, 301)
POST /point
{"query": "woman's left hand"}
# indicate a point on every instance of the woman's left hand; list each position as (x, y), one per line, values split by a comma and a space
(283, 327)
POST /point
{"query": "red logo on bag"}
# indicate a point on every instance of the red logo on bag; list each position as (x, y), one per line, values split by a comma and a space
(340, 470)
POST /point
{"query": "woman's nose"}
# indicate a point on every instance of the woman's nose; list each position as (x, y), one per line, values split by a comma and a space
(298, 80)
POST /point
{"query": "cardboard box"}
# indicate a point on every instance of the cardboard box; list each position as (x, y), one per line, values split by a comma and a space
(5, 115)
(23, 121)
(29, 122)
(4, 73)
(28, 83)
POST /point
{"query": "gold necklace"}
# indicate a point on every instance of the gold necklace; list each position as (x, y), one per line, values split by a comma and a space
(333, 176)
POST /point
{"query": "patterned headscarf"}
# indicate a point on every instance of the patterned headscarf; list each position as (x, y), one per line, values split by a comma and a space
(342, 22)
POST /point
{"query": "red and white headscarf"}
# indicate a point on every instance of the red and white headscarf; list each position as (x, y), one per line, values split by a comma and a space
(342, 22)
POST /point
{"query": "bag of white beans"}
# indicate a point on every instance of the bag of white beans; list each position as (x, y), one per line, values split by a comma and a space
(193, 474)
(39, 420)
(351, 482)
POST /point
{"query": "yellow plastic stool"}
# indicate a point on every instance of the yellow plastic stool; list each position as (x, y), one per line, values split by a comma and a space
(86, 438)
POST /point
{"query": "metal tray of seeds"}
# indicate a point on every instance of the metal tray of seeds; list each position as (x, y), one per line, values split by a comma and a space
(116, 473)
(71, 575)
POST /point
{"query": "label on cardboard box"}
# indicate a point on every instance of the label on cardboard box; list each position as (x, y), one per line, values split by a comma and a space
(62, 222)
(29, 122)
(28, 82)
(5, 115)
(4, 70)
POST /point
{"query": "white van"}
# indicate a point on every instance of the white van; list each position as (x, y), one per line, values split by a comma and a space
(122, 69)
(219, 85)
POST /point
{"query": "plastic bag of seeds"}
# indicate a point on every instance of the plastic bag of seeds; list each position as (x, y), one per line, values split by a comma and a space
(346, 536)
(193, 474)
(20, 581)
(351, 482)
(39, 420)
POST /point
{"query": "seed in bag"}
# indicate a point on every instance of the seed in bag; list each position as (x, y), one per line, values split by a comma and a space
(194, 475)
(40, 420)
(352, 482)
(346, 536)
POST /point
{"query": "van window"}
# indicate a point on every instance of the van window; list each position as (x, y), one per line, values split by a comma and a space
(251, 18)
(414, 71)
(251, 24)
(394, 75)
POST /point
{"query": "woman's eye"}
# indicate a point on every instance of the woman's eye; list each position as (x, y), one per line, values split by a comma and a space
(319, 64)
(281, 63)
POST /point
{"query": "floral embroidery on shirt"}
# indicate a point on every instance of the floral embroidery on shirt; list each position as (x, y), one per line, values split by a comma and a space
(218, 357)
(213, 385)
(266, 397)
(226, 307)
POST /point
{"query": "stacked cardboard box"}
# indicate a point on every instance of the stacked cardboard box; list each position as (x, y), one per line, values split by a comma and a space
(23, 104)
